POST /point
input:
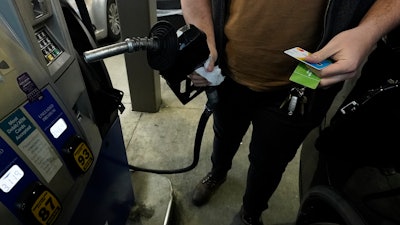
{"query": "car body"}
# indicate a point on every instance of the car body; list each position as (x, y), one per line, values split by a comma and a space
(350, 166)
(104, 17)
(168, 4)
(369, 195)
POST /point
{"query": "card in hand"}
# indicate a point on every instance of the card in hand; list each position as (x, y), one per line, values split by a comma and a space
(304, 76)
(299, 54)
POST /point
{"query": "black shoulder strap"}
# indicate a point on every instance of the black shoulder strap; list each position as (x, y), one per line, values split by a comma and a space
(220, 10)
(85, 16)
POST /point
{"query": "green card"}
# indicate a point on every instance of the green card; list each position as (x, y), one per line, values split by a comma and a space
(302, 75)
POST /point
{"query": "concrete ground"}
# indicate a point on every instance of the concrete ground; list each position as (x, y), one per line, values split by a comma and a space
(165, 140)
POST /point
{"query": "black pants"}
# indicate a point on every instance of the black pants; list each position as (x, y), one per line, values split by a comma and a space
(275, 138)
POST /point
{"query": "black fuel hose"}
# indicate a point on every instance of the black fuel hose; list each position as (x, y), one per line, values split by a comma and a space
(212, 99)
(162, 49)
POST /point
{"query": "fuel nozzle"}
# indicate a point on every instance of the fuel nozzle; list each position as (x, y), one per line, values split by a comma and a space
(192, 53)
(174, 53)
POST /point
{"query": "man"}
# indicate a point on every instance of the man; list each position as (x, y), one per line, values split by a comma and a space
(257, 89)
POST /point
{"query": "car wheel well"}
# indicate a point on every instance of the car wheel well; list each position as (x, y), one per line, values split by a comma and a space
(324, 205)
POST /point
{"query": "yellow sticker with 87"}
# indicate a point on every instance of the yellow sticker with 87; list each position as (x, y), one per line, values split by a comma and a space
(46, 208)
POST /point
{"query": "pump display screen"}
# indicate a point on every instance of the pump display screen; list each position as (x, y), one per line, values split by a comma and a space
(11, 178)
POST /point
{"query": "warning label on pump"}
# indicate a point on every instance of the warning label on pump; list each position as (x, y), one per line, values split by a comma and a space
(32, 144)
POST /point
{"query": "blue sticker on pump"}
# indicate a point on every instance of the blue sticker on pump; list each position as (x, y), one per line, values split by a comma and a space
(17, 126)
(32, 144)
(51, 118)
(15, 176)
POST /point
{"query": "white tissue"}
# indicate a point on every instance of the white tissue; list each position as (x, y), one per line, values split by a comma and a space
(214, 77)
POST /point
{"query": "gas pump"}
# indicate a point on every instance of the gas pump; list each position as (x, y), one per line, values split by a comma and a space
(55, 158)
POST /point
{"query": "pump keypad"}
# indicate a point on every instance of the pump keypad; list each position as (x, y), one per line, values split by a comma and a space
(49, 48)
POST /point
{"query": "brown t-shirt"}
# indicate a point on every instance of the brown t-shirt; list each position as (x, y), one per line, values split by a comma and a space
(258, 32)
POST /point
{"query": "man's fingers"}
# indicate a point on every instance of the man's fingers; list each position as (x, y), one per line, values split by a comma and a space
(198, 80)
(329, 80)
(318, 56)
(338, 68)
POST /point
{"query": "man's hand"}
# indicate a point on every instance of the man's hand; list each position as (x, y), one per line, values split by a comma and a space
(200, 81)
(349, 51)
(351, 48)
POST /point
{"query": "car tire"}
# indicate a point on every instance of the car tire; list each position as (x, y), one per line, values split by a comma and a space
(113, 22)
(323, 205)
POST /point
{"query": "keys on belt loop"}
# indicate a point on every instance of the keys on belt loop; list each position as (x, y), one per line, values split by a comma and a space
(295, 100)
